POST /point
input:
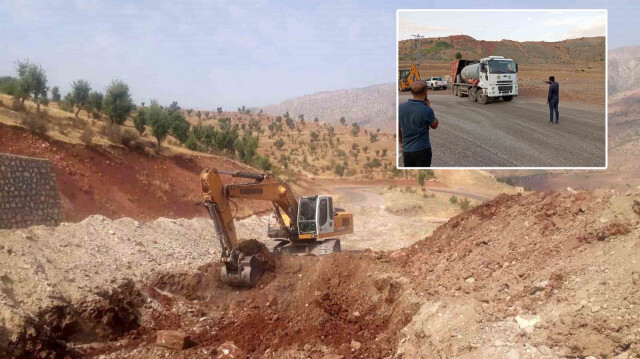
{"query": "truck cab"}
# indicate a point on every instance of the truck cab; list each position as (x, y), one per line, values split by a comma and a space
(485, 80)
(500, 77)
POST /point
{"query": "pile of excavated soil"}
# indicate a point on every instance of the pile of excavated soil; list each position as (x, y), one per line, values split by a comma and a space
(546, 275)
(44, 267)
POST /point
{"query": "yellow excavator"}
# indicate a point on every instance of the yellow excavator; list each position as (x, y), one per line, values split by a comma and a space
(305, 224)
(407, 77)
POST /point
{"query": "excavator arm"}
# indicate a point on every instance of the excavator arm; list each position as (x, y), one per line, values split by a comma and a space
(240, 269)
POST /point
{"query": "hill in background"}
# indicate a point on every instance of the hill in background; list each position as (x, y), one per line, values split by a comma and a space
(438, 49)
(372, 107)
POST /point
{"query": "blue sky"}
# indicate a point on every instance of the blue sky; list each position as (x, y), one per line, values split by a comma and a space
(206, 54)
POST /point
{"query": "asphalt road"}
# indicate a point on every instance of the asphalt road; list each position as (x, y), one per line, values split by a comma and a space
(513, 134)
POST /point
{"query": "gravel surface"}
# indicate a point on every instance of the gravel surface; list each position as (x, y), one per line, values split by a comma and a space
(514, 134)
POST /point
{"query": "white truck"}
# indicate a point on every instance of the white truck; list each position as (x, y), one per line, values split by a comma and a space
(436, 83)
(486, 80)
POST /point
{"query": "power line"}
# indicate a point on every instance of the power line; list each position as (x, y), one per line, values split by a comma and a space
(417, 37)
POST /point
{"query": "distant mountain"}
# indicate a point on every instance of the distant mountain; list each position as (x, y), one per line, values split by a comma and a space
(624, 69)
(440, 49)
(372, 106)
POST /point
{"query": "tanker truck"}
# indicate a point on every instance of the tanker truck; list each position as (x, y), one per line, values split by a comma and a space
(486, 80)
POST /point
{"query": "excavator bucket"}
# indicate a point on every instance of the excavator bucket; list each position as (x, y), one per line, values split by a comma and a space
(246, 274)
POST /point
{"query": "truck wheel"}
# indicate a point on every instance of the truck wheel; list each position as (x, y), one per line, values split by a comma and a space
(507, 98)
(472, 95)
(482, 98)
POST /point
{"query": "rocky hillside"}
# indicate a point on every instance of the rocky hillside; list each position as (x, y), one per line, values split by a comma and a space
(372, 106)
(624, 69)
(586, 49)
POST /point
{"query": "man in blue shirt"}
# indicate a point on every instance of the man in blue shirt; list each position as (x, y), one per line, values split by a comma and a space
(416, 117)
(553, 98)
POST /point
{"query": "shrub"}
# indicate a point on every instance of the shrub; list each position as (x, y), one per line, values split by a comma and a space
(453, 199)
(128, 135)
(35, 124)
(87, 135)
(112, 132)
(192, 142)
(465, 204)
(263, 163)
(17, 105)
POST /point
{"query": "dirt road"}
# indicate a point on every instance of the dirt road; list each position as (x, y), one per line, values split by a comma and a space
(515, 134)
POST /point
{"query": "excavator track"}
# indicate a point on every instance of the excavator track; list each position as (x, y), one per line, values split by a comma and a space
(328, 246)
(318, 248)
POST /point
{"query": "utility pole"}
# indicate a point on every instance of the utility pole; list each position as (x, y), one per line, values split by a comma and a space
(417, 37)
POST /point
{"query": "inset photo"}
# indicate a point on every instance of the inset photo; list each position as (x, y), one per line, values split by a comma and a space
(502, 89)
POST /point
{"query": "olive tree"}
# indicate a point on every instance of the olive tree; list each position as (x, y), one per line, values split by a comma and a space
(32, 83)
(80, 90)
(159, 120)
(117, 102)
(55, 94)
(140, 120)
(95, 103)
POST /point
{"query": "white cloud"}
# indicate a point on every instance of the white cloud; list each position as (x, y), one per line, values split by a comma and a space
(408, 26)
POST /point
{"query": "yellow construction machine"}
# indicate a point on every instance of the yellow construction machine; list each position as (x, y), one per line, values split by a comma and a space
(407, 77)
(306, 224)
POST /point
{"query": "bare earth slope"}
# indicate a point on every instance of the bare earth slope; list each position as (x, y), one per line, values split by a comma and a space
(116, 182)
(546, 275)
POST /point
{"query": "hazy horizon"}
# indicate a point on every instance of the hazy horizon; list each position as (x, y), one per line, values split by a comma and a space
(209, 54)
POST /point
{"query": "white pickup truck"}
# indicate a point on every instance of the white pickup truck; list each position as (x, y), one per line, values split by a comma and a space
(435, 83)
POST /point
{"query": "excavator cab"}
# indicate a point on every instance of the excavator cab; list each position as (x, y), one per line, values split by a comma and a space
(315, 215)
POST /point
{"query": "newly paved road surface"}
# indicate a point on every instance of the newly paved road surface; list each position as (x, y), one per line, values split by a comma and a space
(513, 134)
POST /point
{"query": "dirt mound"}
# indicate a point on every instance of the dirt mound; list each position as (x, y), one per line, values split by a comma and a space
(116, 182)
(107, 317)
(551, 255)
(546, 275)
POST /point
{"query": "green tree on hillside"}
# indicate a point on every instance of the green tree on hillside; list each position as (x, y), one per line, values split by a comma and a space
(458, 56)
(355, 129)
(343, 121)
(140, 120)
(179, 126)
(32, 83)
(80, 90)
(55, 94)
(219, 110)
(246, 146)
(95, 103)
(159, 120)
(117, 102)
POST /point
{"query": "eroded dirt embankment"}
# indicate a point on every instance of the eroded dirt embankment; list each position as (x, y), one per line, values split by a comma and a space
(546, 275)
(116, 182)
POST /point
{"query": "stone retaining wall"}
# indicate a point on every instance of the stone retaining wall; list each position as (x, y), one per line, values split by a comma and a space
(28, 192)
